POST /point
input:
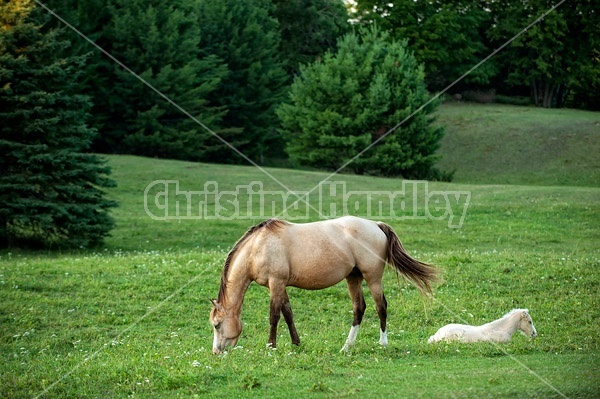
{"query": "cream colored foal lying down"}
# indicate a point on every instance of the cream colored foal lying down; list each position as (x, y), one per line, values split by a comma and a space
(500, 330)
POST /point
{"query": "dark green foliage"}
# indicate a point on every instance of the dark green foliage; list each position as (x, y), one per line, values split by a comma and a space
(558, 57)
(351, 99)
(536, 56)
(308, 29)
(555, 61)
(447, 37)
(246, 37)
(50, 189)
(158, 41)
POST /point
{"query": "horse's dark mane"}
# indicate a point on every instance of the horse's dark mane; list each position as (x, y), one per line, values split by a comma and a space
(270, 224)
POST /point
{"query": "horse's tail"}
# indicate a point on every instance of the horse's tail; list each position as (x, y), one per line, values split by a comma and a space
(419, 273)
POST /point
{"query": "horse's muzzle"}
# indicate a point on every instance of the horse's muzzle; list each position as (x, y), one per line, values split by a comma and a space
(219, 346)
(533, 334)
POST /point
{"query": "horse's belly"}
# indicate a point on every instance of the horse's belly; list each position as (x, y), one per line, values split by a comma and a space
(317, 277)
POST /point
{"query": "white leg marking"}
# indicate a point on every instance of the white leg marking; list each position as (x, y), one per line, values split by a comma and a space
(383, 338)
(351, 338)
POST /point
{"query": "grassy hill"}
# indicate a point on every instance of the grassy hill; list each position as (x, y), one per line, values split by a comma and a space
(503, 144)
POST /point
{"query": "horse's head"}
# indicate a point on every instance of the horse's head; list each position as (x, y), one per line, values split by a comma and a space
(526, 325)
(227, 327)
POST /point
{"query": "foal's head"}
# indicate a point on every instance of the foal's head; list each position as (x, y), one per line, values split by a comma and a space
(227, 327)
(526, 324)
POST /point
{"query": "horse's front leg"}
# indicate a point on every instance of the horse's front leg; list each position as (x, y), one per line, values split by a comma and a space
(286, 309)
(278, 295)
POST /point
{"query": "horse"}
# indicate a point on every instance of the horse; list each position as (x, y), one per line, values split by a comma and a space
(498, 331)
(311, 256)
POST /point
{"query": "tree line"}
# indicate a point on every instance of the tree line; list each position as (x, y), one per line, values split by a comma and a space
(554, 63)
(231, 64)
(311, 82)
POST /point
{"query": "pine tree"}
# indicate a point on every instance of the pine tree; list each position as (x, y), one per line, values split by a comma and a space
(351, 99)
(51, 190)
(159, 41)
(246, 37)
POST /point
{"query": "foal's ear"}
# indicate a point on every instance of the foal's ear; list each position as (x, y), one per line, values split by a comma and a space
(524, 314)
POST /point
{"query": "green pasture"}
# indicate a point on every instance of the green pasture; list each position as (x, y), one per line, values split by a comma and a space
(131, 319)
(520, 145)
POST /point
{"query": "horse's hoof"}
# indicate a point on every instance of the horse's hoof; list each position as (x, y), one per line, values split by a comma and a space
(345, 348)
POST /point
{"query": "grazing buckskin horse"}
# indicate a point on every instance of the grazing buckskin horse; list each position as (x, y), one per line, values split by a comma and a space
(500, 330)
(311, 256)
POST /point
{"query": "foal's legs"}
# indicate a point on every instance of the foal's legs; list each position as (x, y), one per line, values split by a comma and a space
(280, 303)
(354, 281)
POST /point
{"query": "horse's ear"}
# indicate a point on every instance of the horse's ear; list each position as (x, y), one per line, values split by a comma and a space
(524, 314)
(217, 305)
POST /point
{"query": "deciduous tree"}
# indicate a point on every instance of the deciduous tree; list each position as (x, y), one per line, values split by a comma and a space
(447, 37)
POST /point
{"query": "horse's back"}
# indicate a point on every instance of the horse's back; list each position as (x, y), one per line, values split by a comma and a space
(347, 237)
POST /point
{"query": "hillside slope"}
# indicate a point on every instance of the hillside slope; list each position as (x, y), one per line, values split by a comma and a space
(503, 144)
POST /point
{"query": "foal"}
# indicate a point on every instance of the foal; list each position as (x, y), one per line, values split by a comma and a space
(500, 330)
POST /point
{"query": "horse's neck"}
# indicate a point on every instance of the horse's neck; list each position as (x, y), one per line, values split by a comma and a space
(505, 324)
(238, 282)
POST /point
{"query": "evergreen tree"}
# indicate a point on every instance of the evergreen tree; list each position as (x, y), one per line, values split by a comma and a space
(50, 189)
(246, 36)
(160, 42)
(353, 97)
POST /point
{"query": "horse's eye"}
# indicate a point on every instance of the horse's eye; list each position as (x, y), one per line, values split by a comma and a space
(217, 326)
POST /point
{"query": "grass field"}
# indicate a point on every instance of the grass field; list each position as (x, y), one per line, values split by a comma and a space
(131, 319)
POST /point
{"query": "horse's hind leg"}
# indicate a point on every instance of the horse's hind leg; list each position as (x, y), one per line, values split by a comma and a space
(354, 281)
(286, 309)
(376, 289)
